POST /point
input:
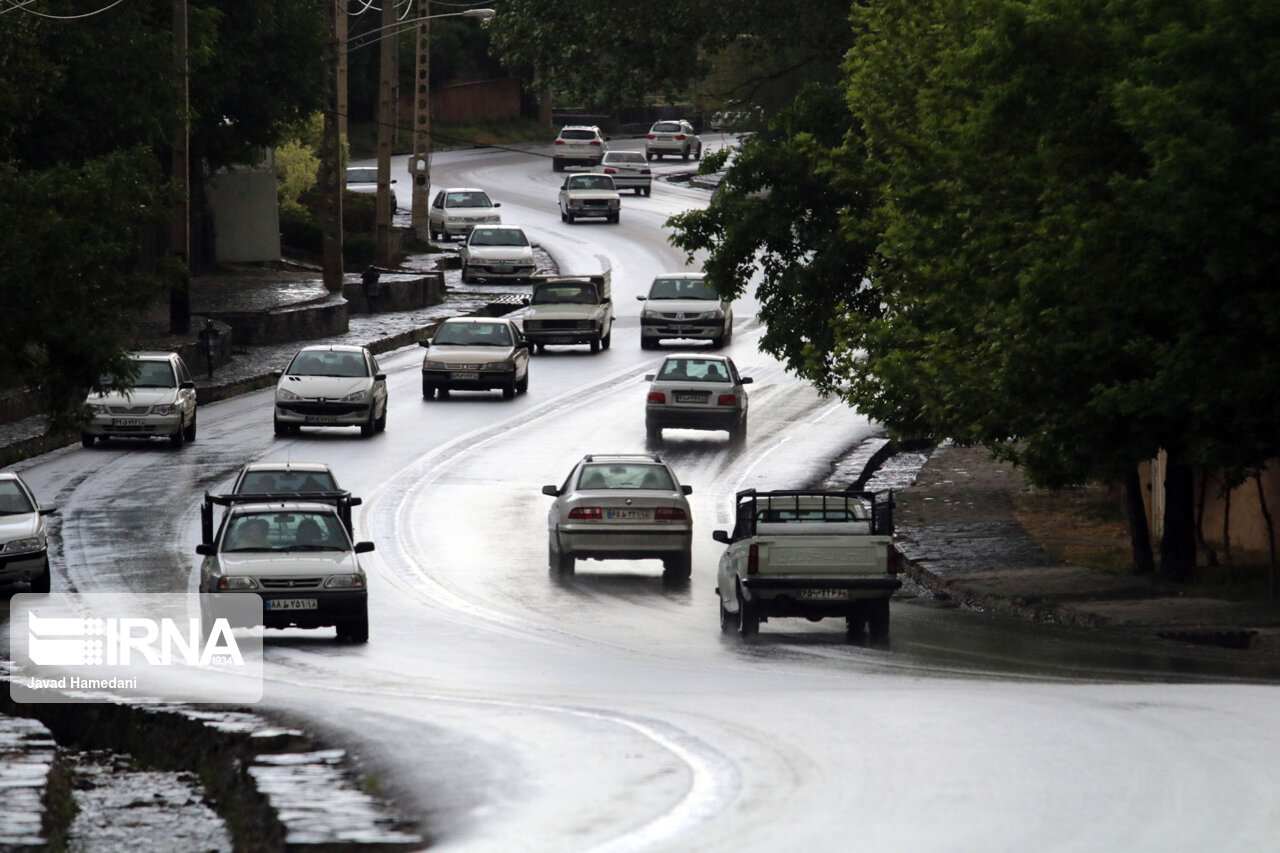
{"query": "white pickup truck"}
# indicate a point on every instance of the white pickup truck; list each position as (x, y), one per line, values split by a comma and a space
(570, 309)
(811, 553)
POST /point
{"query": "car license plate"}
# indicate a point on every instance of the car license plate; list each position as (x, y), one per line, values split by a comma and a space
(686, 397)
(465, 376)
(628, 514)
(320, 419)
(124, 422)
(290, 604)
(502, 268)
(823, 594)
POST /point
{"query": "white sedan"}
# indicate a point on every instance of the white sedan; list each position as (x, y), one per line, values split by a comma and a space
(24, 540)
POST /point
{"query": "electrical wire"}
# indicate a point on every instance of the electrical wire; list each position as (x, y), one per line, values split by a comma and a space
(21, 7)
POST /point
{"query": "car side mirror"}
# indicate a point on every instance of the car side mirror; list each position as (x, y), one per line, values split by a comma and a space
(425, 343)
(380, 377)
(648, 377)
(551, 491)
(207, 549)
(354, 501)
(747, 380)
(48, 509)
(363, 547)
(686, 490)
(277, 373)
(187, 385)
(524, 300)
(497, 204)
(720, 536)
(641, 298)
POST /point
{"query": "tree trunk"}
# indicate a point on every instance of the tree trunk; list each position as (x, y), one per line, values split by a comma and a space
(1271, 537)
(1178, 545)
(1139, 530)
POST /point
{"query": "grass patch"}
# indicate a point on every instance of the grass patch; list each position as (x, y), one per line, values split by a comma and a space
(1085, 526)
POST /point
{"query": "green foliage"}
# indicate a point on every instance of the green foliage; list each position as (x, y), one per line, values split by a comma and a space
(297, 163)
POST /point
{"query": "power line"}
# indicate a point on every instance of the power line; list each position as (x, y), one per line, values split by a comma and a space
(22, 7)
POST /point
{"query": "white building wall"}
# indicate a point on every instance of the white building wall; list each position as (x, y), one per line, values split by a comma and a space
(246, 213)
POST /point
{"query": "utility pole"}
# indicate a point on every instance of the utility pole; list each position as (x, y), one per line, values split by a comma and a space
(420, 161)
(180, 234)
(331, 152)
(386, 122)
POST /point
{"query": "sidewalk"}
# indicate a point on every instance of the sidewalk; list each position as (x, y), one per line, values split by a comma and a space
(957, 530)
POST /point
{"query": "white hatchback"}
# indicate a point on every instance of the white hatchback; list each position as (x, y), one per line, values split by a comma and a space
(331, 385)
(497, 252)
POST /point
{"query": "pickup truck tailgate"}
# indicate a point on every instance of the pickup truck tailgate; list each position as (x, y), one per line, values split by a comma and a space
(823, 555)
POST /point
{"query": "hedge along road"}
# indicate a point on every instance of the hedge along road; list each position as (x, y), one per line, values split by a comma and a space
(507, 709)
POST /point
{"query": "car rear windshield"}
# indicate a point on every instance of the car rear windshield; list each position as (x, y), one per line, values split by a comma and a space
(624, 157)
(498, 237)
(682, 288)
(326, 363)
(577, 134)
(583, 294)
(474, 334)
(666, 127)
(626, 476)
(694, 369)
(13, 500)
(591, 182)
(467, 200)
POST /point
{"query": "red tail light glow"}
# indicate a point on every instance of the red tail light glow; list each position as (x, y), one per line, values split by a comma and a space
(726, 400)
(670, 513)
(651, 136)
(586, 513)
(609, 170)
(595, 142)
(753, 559)
(681, 136)
(657, 397)
(559, 142)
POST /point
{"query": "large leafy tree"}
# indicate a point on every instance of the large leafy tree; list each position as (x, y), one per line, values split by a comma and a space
(91, 101)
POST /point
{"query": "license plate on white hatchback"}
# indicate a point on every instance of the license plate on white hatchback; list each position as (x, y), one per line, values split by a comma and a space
(290, 604)
(628, 514)
(823, 594)
(320, 419)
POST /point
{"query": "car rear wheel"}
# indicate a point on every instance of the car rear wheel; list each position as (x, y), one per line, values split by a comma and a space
(739, 433)
(697, 153)
(877, 612)
(557, 166)
(748, 618)
(648, 190)
(559, 561)
(728, 621)
(652, 432)
(678, 565)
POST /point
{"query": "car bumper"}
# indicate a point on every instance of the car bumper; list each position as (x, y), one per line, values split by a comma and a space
(484, 380)
(595, 210)
(124, 426)
(659, 329)
(330, 607)
(22, 567)
(323, 414)
(508, 271)
(625, 543)
(692, 418)
(562, 336)
(669, 148)
(593, 159)
(632, 183)
(793, 596)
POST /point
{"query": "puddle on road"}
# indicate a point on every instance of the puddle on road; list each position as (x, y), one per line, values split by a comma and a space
(123, 808)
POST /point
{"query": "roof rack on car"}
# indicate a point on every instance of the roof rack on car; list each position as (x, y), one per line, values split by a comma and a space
(591, 457)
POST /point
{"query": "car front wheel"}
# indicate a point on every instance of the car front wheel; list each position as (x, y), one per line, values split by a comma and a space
(356, 629)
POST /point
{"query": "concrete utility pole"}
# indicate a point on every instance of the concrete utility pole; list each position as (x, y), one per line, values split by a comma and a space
(180, 235)
(331, 152)
(420, 161)
(386, 124)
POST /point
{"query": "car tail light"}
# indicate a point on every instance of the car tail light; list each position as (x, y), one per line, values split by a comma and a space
(586, 513)
(753, 559)
(559, 142)
(657, 397)
(680, 136)
(595, 142)
(609, 170)
(670, 513)
(726, 400)
(646, 171)
(651, 136)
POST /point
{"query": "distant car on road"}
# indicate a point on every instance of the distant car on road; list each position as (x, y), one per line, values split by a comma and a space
(24, 539)
(696, 391)
(683, 305)
(578, 144)
(160, 403)
(476, 354)
(456, 210)
(497, 252)
(629, 170)
(621, 507)
(331, 385)
(676, 138)
(589, 195)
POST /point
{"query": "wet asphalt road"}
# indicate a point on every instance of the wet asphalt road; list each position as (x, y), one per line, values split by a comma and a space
(507, 709)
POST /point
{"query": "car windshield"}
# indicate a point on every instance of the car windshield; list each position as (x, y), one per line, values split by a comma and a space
(682, 288)
(666, 127)
(474, 335)
(282, 482)
(152, 374)
(362, 176)
(577, 135)
(14, 499)
(626, 476)
(694, 370)
(591, 182)
(583, 294)
(328, 363)
(285, 530)
(467, 200)
(498, 237)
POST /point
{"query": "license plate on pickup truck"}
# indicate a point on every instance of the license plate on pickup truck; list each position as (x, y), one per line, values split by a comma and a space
(823, 594)
(290, 604)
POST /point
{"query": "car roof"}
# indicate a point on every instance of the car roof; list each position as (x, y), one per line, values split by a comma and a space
(333, 348)
(287, 466)
(624, 457)
(9, 475)
(463, 190)
(460, 320)
(701, 356)
(594, 127)
(679, 275)
(498, 228)
(153, 355)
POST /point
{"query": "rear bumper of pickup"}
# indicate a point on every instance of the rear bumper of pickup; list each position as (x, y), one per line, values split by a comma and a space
(790, 596)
